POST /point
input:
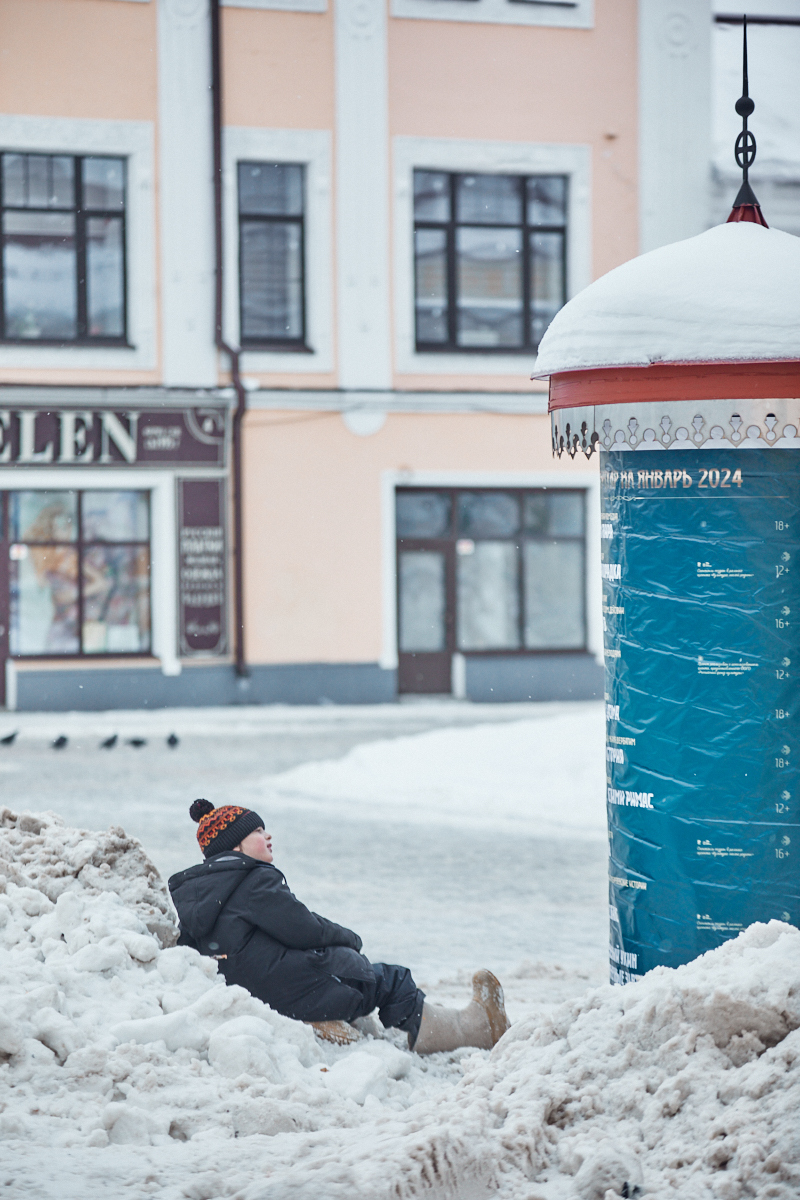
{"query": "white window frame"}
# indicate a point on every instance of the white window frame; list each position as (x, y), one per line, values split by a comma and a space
(133, 141)
(312, 148)
(311, 6)
(163, 554)
(499, 158)
(579, 15)
(584, 481)
(315, 6)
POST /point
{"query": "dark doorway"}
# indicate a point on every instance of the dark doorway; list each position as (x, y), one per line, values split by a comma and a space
(486, 571)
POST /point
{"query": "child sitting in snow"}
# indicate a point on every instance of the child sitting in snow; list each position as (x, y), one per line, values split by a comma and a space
(236, 907)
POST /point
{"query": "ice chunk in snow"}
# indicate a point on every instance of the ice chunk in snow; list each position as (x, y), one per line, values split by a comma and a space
(100, 956)
(129, 1125)
(10, 1037)
(358, 1076)
(177, 1030)
(242, 1047)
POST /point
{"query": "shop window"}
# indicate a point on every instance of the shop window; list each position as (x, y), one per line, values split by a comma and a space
(487, 571)
(490, 259)
(79, 578)
(271, 255)
(63, 249)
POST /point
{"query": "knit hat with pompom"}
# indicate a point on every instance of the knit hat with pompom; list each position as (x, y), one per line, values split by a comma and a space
(220, 829)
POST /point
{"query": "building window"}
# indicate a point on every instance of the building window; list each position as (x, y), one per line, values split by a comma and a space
(486, 571)
(490, 259)
(63, 256)
(271, 255)
(79, 579)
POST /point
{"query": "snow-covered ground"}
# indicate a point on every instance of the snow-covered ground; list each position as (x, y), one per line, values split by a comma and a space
(449, 836)
(127, 1067)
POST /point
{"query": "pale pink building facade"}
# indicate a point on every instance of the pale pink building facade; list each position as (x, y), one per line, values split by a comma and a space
(409, 190)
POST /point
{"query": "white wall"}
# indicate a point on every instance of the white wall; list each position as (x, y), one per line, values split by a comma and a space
(674, 119)
(362, 193)
(186, 195)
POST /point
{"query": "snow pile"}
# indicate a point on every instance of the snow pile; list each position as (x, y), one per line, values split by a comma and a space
(127, 1063)
(511, 777)
(685, 1083)
(39, 855)
(728, 295)
(109, 1034)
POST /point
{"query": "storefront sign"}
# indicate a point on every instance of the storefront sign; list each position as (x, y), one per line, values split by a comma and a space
(201, 567)
(109, 438)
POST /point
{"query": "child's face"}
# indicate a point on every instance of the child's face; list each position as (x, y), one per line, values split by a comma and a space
(257, 844)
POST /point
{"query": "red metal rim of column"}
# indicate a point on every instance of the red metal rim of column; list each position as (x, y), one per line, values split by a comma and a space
(675, 381)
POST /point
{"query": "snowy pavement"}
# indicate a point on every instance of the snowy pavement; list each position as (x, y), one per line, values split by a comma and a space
(450, 836)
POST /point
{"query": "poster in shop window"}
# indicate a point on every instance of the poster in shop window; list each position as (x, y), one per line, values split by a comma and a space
(202, 572)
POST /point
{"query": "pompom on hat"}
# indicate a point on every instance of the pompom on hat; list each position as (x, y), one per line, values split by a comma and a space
(220, 829)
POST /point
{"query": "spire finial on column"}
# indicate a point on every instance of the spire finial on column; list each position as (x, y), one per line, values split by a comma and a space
(746, 206)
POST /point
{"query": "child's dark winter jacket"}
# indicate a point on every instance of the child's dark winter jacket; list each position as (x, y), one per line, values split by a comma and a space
(241, 911)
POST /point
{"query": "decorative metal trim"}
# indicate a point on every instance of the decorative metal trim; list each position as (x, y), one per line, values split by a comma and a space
(677, 425)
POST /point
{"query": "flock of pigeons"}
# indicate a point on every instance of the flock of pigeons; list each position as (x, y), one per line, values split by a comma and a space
(109, 743)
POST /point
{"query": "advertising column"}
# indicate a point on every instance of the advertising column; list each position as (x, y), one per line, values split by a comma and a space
(701, 595)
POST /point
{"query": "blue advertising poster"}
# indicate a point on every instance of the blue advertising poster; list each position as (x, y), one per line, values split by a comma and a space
(701, 596)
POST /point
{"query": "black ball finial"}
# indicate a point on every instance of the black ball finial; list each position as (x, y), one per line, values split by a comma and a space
(199, 809)
(745, 106)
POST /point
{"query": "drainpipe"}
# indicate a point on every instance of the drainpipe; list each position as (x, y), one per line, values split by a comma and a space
(232, 352)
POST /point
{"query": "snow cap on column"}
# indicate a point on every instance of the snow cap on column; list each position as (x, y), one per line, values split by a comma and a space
(730, 294)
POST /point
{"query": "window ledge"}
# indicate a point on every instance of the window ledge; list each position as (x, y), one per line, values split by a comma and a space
(577, 15)
(35, 662)
(523, 351)
(77, 344)
(276, 348)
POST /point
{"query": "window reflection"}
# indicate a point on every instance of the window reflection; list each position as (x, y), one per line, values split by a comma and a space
(53, 206)
(44, 516)
(488, 514)
(488, 598)
(422, 601)
(44, 600)
(115, 516)
(80, 572)
(518, 582)
(104, 284)
(271, 280)
(490, 255)
(431, 285)
(489, 277)
(271, 250)
(115, 599)
(422, 514)
(39, 272)
(554, 594)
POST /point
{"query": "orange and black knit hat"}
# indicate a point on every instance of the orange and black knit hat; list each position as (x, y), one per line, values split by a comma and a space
(220, 829)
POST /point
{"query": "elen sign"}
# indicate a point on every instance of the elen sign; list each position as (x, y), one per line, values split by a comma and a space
(104, 437)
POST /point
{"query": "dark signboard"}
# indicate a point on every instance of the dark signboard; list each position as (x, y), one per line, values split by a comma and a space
(701, 598)
(202, 567)
(105, 437)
